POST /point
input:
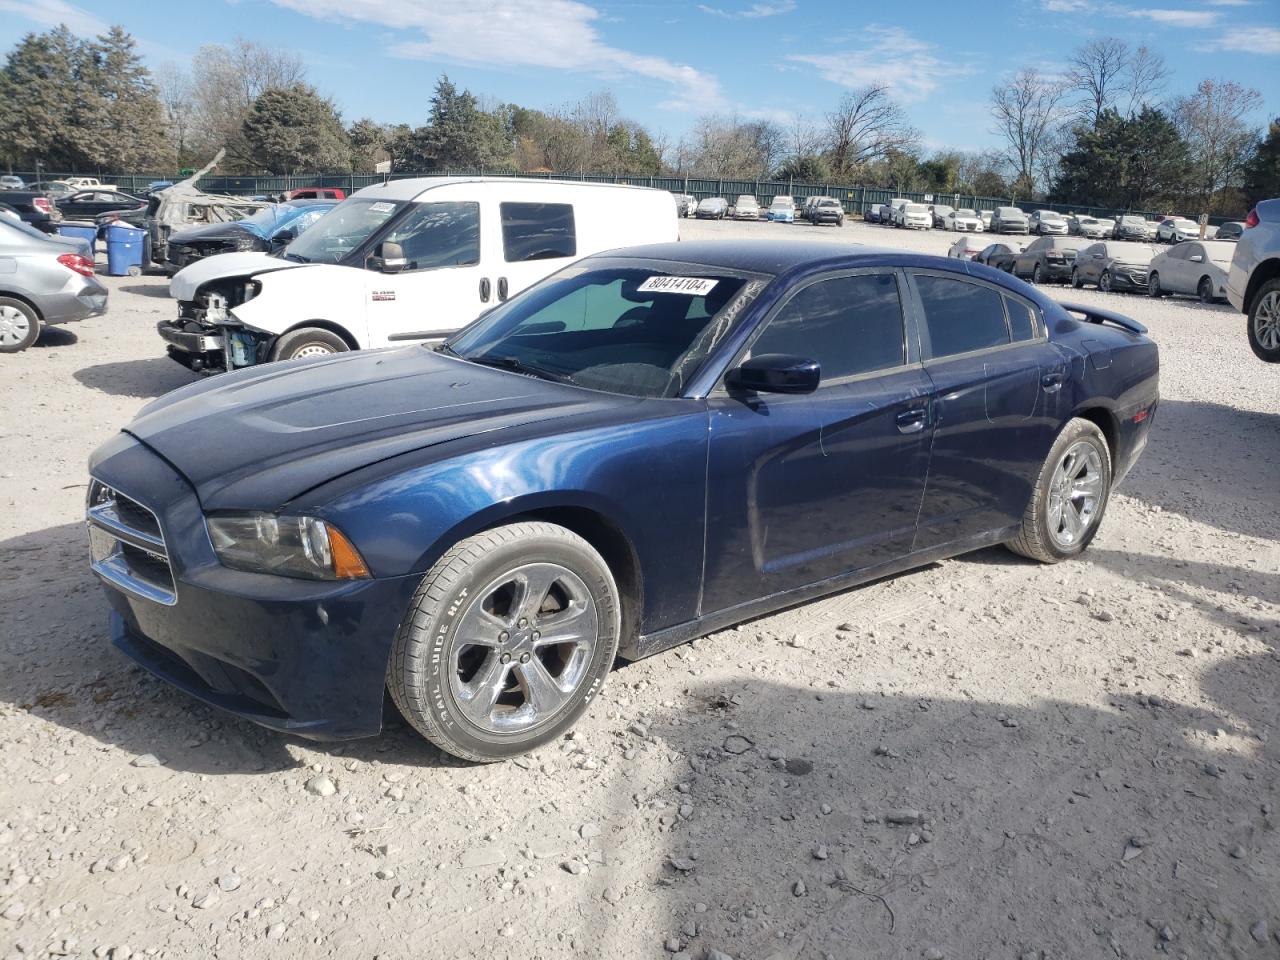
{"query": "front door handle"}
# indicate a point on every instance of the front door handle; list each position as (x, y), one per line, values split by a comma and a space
(502, 288)
(486, 289)
(1051, 382)
(911, 421)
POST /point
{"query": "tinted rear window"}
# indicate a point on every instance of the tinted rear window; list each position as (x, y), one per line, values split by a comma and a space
(537, 231)
(1021, 321)
(961, 316)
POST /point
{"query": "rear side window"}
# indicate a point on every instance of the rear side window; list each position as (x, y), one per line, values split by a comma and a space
(850, 325)
(537, 231)
(439, 235)
(1022, 322)
(961, 316)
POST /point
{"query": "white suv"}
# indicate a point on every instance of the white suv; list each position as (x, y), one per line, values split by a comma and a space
(1253, 282)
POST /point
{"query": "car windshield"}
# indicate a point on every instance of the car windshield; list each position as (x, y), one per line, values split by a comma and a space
(623, 326)
(1131, 252)
(916, 208)
(1186, 225)
(1009, 211)
(941, 209)
(346, 227)
(1133, 221)
(965, 213)
(782, 204)
(1050, 215)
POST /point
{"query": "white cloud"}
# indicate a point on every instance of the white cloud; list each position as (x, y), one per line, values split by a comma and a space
(51, 13)
(753, 12)
(888, 55)
(1264, 40)
(552, 34)
(1230, 3)
(1067, 6)
(1177, 18)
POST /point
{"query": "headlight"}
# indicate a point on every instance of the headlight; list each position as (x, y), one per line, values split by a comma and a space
(286, 546)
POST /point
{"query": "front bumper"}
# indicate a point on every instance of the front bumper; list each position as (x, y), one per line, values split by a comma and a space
(299, 656)
(829, 218)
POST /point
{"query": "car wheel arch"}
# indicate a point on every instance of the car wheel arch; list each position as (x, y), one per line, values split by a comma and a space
(1268, 269)
(1104, 419)
(14, 295)
(335, 328)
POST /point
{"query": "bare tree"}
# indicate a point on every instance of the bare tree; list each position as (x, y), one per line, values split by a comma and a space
(178, 100)
(1144, 79)
(730, 147)
(1027, 110)
(1096, 72)
(865, 126)
(1215, 123)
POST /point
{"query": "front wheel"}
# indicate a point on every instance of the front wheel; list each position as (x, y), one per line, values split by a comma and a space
(1104, 282)
(308, 342)
(507, 640)
(19, 325)
(1264, 322)
(1037, 274)
(1070, 496)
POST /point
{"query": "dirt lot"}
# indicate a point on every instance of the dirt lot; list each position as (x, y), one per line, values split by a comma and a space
(982, 759)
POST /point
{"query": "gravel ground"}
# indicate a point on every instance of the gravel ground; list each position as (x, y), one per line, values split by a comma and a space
(985, 758)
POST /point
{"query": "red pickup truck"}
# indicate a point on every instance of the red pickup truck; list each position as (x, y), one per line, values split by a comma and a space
(316, 193)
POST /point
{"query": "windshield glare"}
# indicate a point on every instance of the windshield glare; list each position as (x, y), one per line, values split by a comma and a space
(626, 328)
(342, 229)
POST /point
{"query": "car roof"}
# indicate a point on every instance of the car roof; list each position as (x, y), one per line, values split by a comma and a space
(413, 188)
(769, 256)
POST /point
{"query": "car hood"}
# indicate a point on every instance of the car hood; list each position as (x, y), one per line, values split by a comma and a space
(188, 280)
(258, 438)
(212, 231)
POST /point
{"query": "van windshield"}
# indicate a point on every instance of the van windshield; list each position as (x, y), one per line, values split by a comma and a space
(346, 227)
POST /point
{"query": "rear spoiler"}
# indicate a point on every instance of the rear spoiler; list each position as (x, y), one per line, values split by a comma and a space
(1098, 315)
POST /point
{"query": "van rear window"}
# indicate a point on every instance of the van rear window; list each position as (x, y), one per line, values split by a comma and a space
(538, 231)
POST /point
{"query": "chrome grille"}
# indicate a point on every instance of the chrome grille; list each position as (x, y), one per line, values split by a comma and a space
(127, 546)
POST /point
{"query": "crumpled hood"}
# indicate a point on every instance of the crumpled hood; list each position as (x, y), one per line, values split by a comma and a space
(213, 231)
(260, 437)
(188, 280)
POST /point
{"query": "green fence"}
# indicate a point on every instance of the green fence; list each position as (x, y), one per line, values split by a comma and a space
(856, 198)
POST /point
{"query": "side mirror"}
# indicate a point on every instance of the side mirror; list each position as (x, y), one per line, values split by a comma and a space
(390, 258)
(775, 373)
(283, 238)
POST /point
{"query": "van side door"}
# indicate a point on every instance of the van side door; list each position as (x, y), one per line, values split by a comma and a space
(535, 239)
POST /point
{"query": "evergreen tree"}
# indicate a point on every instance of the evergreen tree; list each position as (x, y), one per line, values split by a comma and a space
(293, 128)
(461, 135)
(1262, 173)
(1133, 163)
(369, 142)
(38, 88)
(122, 126)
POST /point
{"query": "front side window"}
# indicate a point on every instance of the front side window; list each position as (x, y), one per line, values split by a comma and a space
(961, 316)
(439, 235)
(537, 231)
(850, 325)
(624, 327)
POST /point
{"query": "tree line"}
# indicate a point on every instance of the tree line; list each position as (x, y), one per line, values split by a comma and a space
(1103, 133)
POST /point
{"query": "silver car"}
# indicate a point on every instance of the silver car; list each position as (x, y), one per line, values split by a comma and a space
(1049, 223)
(1193, 267)
(746, 208)
(1009, 220)
(1176, 230)
(1253, 282)
(44, 280)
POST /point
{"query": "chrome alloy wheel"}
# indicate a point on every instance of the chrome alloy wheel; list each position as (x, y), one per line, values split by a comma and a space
(1266, 321)
(15, 326)
(1075, 494)
(522, 647)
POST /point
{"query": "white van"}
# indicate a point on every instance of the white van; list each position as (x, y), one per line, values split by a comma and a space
(409, 260)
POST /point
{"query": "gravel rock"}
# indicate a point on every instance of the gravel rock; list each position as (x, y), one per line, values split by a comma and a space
(902, 816)
(206, 900)
(589, 831)
(147, 760)
(1259, 931)
(229, 882)
(321, 786)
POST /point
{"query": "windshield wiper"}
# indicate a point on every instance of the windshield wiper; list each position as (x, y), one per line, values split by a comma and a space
(516, 365)
(296, 257)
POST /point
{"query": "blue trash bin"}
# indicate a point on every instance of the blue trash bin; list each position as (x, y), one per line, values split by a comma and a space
(124, 250)
(80, 230)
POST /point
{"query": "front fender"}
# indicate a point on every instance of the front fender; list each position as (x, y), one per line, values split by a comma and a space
(290, 298)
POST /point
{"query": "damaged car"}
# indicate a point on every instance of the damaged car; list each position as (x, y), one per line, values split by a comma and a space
(184, 204)
(267, 231)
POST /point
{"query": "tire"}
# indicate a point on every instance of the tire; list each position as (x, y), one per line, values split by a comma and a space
(19, 325)
(1037, 274)
(1104, 282)
(1204, 290)
(1153, 287)
(427, 673)
(1048, 540)
(1264, 322)
(307, 342)
(1076, 282)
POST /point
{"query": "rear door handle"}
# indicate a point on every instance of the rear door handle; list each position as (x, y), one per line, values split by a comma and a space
(486, 289)
(502, 288)
(911, 421)
(1051, 381)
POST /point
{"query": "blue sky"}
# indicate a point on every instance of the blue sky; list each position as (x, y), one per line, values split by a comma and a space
(670, 62)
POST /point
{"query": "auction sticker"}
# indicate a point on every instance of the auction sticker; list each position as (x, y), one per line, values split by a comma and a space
(693, 286)
(381, 207)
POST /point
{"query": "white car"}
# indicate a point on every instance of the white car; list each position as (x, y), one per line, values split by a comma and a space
(1049, 223)
(89, 183)
(1176, 230)
(964, 221)
(1197, 268)
(895, 210)
(915, 216)
(966, 248)
(746, 207)
(405, 261)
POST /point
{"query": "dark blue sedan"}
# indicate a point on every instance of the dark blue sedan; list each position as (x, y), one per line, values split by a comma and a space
(649, 445)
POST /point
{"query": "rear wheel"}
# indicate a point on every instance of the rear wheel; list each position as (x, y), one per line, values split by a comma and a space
(1070, 496)
(308, 342)
(19, 325)
(1076, 282)
(1153, 286)
(1037, 274)
(1204, 290)
(1264, 322)
(508, 638)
